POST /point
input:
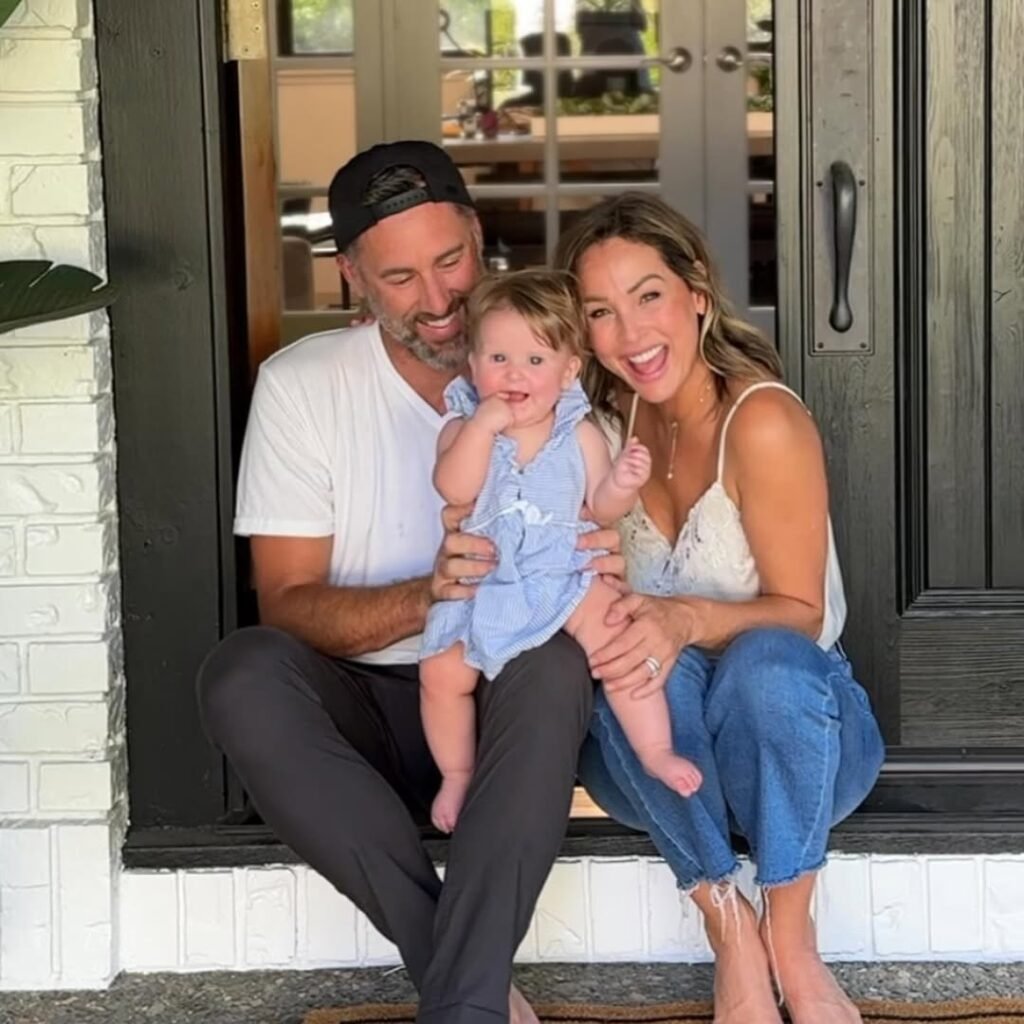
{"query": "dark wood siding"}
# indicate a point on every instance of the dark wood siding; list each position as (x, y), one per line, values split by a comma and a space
(961, 666)
(159, 97)
(1006, 295)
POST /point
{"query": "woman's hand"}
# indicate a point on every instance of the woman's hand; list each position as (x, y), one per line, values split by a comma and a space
(610, 567)
(660, 628)
(461, 556)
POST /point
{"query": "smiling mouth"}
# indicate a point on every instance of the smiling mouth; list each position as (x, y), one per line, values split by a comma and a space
(439, 323)
(648, 363)
(515, 396)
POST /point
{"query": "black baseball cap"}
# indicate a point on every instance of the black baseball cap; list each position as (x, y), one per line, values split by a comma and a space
(350, 217)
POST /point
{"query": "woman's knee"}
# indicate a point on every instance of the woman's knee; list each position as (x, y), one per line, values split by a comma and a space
(769, 677)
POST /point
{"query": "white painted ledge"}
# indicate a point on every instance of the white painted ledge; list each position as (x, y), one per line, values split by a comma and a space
(591, 910)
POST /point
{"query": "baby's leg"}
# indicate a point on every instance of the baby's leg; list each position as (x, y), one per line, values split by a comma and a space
(645, 721)
(449, 721)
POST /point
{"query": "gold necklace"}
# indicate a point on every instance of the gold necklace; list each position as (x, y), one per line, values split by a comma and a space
(674, 433)
(672, 451)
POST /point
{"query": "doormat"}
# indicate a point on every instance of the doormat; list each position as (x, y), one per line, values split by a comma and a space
(962, 1011)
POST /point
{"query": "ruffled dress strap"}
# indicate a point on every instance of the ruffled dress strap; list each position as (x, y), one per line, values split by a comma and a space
(572, 407)
(461, 398)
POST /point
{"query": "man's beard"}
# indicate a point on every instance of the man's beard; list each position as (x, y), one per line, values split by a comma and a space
(450, 355)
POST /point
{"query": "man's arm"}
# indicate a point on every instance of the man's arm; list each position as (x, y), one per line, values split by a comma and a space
(290, 575)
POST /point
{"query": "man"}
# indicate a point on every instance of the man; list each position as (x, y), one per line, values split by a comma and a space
(318, 708)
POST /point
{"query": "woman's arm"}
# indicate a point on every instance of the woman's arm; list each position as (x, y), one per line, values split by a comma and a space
(775, 464)
(775, 459)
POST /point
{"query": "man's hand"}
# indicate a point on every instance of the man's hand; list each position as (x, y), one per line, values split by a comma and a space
(462, 556)
(632, 468)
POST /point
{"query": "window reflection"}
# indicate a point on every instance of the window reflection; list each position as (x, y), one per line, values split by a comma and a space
(314, 26)
(316, 123)
(608, 124)
(761, 230)
(515, 28)
(513, 232)
(310, 275)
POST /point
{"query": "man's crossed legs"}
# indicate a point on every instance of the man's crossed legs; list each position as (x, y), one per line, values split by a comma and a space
(333, 755)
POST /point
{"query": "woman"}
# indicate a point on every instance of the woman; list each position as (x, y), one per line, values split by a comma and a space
(737, 610)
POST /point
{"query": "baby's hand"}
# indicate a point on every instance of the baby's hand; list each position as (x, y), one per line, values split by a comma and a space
(494, 413)
(632, 469)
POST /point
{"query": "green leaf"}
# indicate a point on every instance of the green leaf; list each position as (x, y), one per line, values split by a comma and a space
(7, 9)
(37, 291)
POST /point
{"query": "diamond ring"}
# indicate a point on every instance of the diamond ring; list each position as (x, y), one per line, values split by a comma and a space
(653, 665)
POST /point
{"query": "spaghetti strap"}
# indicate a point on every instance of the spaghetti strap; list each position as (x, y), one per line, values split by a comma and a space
(735, 405)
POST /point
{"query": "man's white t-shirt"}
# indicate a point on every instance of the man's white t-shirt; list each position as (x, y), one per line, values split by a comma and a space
(338, 444)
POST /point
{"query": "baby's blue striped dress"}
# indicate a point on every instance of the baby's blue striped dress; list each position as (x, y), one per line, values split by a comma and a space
(532, 515)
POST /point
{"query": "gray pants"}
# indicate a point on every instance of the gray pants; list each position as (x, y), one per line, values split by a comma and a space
(333, 755)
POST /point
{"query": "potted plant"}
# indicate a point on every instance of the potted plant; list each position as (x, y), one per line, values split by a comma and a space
(37, 291)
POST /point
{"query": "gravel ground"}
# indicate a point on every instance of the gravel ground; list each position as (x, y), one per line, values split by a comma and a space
(282, 997)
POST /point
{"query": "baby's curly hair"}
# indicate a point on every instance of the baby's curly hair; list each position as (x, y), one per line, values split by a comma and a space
(545, 299)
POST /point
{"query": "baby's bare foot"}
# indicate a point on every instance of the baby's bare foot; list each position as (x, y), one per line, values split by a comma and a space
(444, 811)
(519, 1010)
(676, 772)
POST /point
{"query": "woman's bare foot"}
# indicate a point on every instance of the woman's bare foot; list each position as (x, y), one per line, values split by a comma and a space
(676, 772)
(444, 811)
(519, 1010)
(812, 995)
(743, 987)
(743, 990)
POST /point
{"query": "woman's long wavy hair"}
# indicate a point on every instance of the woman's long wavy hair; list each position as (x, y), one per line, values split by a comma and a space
(729, 346)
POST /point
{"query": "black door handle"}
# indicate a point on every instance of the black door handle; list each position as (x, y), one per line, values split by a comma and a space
(844, 227)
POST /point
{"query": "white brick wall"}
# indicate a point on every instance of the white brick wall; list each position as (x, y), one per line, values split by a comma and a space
(61, 760)
(592, 909)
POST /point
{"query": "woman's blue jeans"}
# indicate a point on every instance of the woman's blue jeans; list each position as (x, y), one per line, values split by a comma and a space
(787, 744)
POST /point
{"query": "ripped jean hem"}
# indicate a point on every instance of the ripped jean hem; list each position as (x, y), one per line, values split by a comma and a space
(687, 888)
(775, 883)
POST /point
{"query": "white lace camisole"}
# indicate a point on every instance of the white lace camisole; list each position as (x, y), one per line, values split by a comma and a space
(711, 557)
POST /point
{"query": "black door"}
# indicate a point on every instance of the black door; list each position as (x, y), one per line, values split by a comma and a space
(912, 138)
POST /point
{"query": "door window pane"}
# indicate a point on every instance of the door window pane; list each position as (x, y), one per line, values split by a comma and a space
(316, 123)
(760, 88)
(480, 28)
(612, 135)
(314, 26)
(603, 30)
(513, 232)
(309, 272)
(485, 130)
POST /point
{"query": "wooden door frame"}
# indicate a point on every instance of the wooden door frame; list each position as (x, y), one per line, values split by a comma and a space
(161, 92)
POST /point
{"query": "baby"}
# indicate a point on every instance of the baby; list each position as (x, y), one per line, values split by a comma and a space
(522, 450)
